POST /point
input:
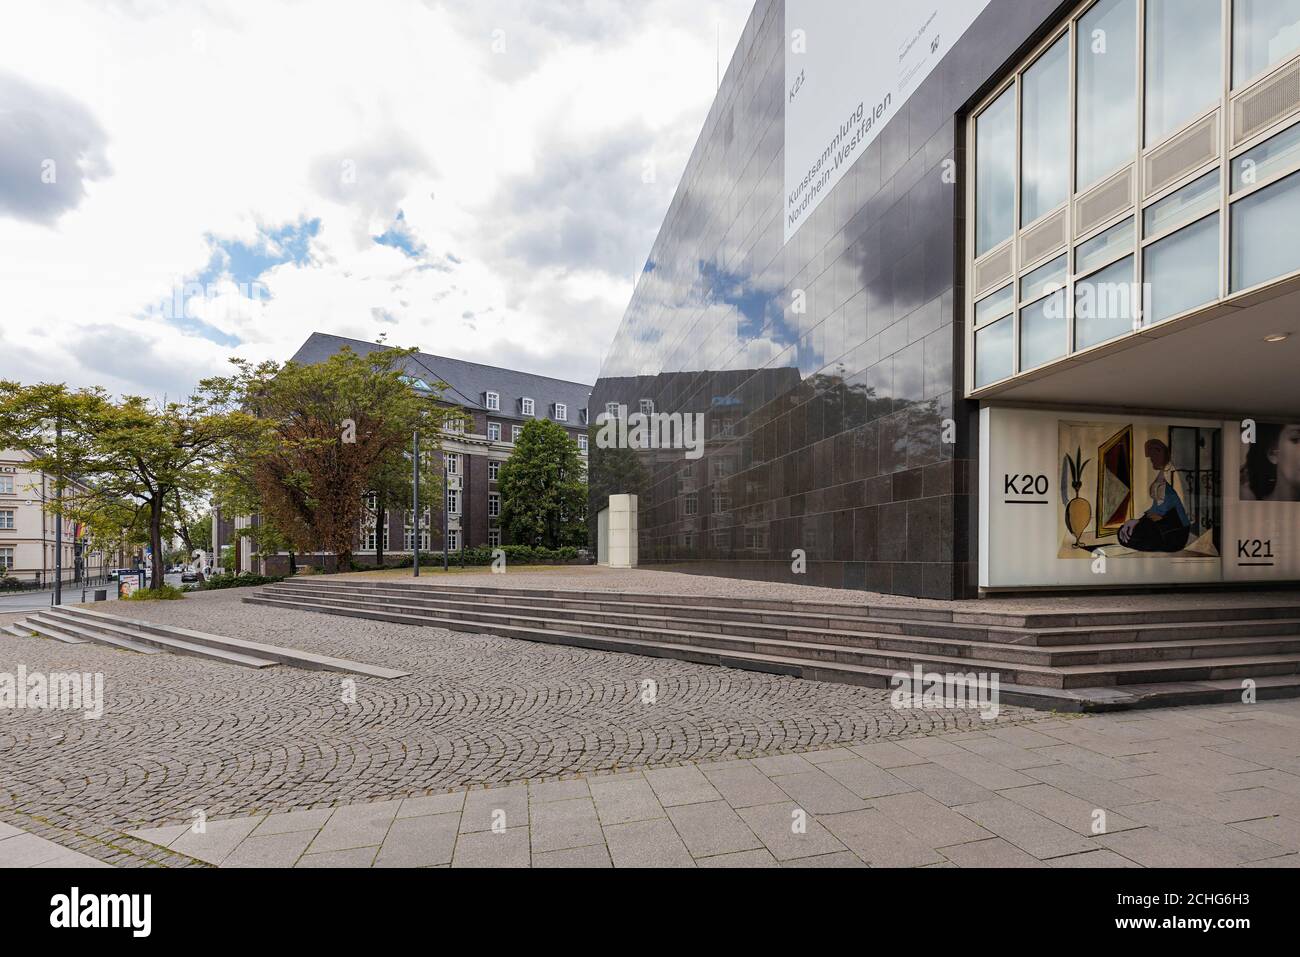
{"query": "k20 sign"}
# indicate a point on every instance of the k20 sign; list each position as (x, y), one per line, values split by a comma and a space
(850, 65)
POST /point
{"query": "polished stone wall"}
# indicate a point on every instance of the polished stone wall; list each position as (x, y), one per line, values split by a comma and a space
(838, 448)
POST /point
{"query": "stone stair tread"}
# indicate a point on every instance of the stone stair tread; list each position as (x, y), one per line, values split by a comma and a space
(17, 630)
(271, 654)
(466, 594)
(989, 650)
(64, 632)
(988, 664)
(168, 643)
(1180, 664)
(1069, 699)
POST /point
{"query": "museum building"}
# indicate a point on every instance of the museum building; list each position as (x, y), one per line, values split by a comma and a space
(979, 295)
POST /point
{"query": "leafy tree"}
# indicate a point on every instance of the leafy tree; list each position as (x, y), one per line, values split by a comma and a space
(132, 459)
(330, 433)
(544, 488)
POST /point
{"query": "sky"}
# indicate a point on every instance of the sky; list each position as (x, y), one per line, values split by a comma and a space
(181, 183)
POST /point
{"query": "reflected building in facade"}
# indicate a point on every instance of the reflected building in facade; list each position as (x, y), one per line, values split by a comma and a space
(967, 311)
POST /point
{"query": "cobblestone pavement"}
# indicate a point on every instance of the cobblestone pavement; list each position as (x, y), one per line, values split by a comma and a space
(1209, 786)
(184, 734)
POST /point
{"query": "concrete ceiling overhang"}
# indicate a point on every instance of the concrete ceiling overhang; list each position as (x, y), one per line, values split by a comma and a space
(1217, 362)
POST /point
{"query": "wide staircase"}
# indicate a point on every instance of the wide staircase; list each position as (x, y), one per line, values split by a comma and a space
(1089, 661)
(75, 626)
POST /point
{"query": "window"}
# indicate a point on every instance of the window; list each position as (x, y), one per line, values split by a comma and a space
(582, 443)
(1043, 280)
(692, 504)
(494, 471)
(1043, 331)
(1104, 305)
(561, 412)
(494, 538)
(6, 485)
(409, 539)
(493, 402)
(370, 536)
(1113, 243)
(453, 539)
(1107, 89)
(6, 518)
(527, 406)
(1183, 63)
(995, 173)
(6, 558)
(993, 352)
(1274, 156)
(647, 406)
(1045, 133)
(494, 431)
(1263, 234)
(1195, 199)
(494, 505)
(453, 463)
(1001, 303)
(611, 410)
(456, 425)
(1182, 270)
(453, 501)
(1264, 32)
(515, 432)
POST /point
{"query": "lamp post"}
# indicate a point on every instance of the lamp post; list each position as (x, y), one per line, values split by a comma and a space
(446, 492)
(58, 513)
(415, 503)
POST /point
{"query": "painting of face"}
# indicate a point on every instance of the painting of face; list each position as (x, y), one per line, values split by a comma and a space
(1272, 469)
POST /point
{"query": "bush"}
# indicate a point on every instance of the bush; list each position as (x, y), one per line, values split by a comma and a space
(242, 580)
(515, 555)
(165, 593)
(9, 584)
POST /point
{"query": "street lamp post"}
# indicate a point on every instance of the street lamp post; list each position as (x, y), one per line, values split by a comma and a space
(446, 492)
(58, 513)
(415, 504)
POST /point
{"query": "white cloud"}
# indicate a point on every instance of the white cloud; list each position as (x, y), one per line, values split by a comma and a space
(512, 136)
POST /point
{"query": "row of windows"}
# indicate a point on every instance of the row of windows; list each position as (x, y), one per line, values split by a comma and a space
(368, 541)
(494, 434)
(1216, 229)
(492, 402)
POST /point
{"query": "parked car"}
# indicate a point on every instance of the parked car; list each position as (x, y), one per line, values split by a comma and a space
(190, 576)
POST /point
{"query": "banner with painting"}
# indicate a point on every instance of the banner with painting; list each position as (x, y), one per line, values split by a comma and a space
(1139, 488)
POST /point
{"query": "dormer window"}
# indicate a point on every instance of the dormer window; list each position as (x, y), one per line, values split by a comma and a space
(611, 410)
(582, 416)
(647, 406)
(493, 402)
(527, 407)
(561, 412)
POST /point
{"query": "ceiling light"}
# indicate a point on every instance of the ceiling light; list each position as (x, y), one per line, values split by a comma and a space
(1278, 337)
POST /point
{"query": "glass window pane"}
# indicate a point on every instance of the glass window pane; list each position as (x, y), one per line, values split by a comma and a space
(993, 353)
(1264, 32)
(1107, 91)
(995, 173)
(1045, 133)
(1104, 305)
(1182, 270)
(1043, 279)
(1114, 242)
(1195, 199)
(1043, 332)
(1001, 303)
(1184, 53)
(1263, 234)
(1273, 156)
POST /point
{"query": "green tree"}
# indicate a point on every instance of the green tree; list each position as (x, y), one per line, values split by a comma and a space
(331, 432)
(132, 459)
(544, 489)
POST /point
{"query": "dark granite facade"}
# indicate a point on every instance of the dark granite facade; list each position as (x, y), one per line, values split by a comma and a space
(825, 425)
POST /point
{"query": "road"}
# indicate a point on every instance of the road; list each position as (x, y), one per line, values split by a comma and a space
(72, 595)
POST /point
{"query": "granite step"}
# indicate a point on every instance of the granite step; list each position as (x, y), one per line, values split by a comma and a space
(60, 631)
(526, 614)
(223, 645)
(106, 633)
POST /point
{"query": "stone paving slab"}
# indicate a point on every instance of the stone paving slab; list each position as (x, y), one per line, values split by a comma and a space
(934, 802)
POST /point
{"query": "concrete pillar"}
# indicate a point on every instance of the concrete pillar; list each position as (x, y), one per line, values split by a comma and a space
(622, 552)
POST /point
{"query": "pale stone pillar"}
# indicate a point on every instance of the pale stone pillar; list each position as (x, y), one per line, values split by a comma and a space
(622, 531)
